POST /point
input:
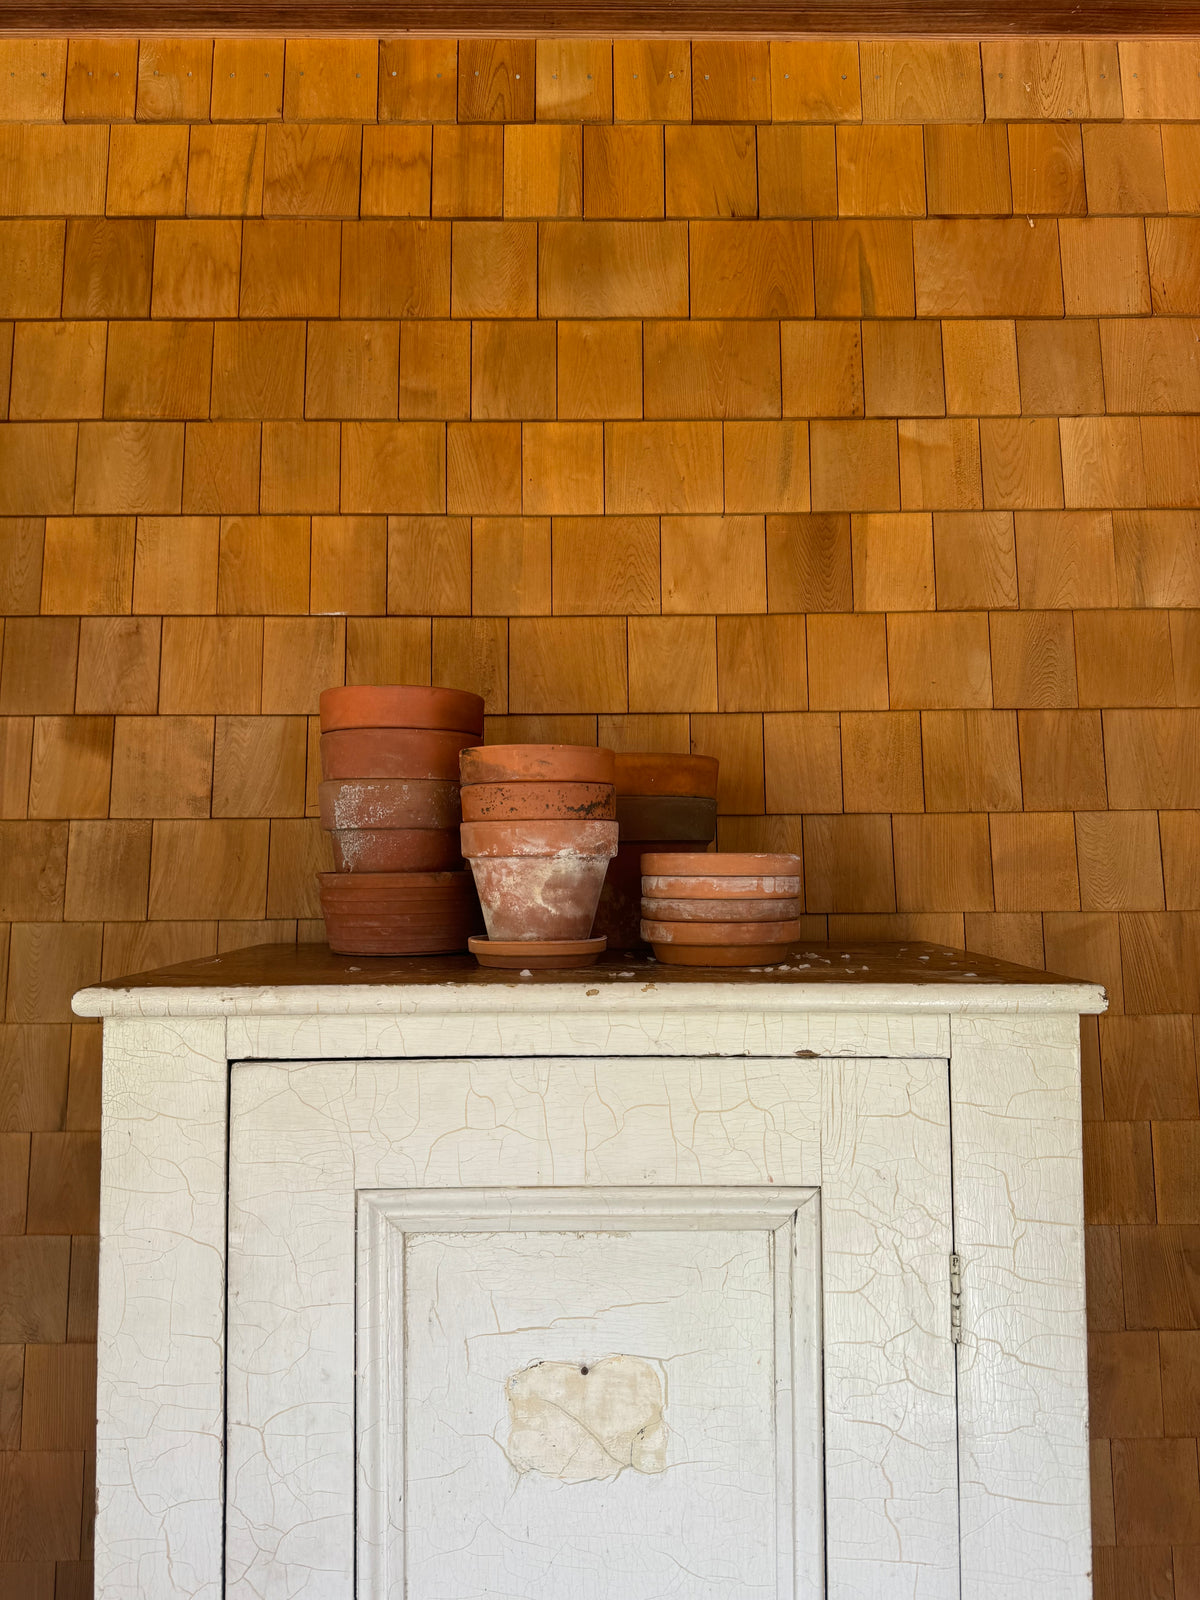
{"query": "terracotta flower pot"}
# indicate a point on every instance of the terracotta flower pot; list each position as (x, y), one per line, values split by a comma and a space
(745, 911)
(721, 933)
(618, 915)
(527, 802)
(686, 818)
(389, 803)
(388, 913)
(537, 763)
(697, 886)
(550, 837)
(396, 849)
(395, 705)
(539, 880)
(653, 772)
(426, 753)
(721, 864)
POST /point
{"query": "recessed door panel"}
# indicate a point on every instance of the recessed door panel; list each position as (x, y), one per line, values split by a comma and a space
(620, 1330)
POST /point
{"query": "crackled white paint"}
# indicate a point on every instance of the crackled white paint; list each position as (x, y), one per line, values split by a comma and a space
(1018, 1206)
(160, 1403)
(891, 1481)
(714, 1285)
(733, 1125)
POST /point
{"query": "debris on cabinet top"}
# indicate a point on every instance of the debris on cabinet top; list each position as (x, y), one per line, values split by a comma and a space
(294, 979)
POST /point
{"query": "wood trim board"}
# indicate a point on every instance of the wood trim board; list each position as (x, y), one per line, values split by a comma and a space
(645, 18)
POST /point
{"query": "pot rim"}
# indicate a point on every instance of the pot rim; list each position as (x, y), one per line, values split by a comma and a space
(348, 706)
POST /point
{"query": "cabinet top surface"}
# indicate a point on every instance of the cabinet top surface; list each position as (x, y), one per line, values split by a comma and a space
(309, 978)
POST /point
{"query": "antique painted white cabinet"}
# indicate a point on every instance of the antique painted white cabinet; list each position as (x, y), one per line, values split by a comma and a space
(424, 1283)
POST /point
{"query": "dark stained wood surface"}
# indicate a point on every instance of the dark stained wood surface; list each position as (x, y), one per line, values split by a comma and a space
(648, 18)
(291, 965)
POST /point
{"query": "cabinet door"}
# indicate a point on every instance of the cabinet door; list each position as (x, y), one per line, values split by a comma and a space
(590, 1330)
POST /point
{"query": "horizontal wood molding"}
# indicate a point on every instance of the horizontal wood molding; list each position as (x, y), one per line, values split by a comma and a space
(645, 18)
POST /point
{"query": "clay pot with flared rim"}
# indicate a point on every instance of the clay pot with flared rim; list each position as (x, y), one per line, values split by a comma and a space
(667, 886)
(618, 915)
(389, 803)
(401, 705)
(715, 955)
(653, 772)
(686, 818)
(537, 763)
(721, 933)
(413, 753)
(537, 955)
(721, 864)
(530, 802)
(550, 837)
(720, 910)
(396, 849)
(539, 880)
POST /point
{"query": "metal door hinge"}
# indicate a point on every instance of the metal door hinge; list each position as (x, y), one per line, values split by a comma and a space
(956, 1299)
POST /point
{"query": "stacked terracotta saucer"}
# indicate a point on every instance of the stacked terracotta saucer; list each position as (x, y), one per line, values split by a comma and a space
(665, 802)
(720, 909)
(539, 829)
(390, 800)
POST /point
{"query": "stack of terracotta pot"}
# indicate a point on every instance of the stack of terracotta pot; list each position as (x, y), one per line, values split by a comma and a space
(665, 802)
(539, 829)
(390, 799)
(720, 909)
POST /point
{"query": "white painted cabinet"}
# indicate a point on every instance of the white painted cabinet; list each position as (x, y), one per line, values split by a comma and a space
(440, 1285)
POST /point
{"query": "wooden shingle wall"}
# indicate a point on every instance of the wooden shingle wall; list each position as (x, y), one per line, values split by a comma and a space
(828, 408)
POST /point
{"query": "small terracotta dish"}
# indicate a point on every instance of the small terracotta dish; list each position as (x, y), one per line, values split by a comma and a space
(537, 763)
(716, 955)
(721, 933)
(536, 955)
(746, 911)
(401, 705)
(721, 864)
(668, 886)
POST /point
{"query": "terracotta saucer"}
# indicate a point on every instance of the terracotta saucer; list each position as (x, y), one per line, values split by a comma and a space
(694, 886)
(721, 934)
(653, 772)
(400, 705)
(661, 910)
(536, 955)
(715, 955)
(721, 864)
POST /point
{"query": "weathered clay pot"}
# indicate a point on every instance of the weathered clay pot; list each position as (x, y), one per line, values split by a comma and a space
(389, 803)
(396, 849)
(527, 802)
(428, 753)
(687, 818)
(387, 913)
(746, 911)
(397, 705)
(536, 955)
(697, 886)
(537, 763)
(618, 915)
(721, 864)
(539, 880)
(653, 772)
(721, 933)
